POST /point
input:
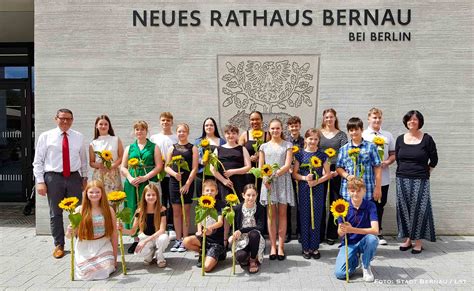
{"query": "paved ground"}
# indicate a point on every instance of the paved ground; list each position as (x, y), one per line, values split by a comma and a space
(26, 263)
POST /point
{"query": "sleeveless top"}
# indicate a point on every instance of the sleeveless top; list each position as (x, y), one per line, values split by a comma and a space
(186, 151)
(249, 144)
(231, 158)
(98, 225)
(147, 155)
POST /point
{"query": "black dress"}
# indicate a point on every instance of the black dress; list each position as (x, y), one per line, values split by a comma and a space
(231, 158)
(187, 152)
(249, 146)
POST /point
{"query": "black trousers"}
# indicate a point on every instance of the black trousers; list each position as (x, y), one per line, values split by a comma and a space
(381, 205)
(289, 228)
(166, 202)
(328, 227)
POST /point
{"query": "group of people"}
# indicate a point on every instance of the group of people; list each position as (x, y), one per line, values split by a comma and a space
(306, 172)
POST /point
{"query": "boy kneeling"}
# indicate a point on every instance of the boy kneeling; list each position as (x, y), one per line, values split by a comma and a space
(362, 228)
(215, 250)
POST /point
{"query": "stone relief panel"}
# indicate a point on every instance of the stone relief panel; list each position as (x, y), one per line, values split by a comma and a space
(279, 86)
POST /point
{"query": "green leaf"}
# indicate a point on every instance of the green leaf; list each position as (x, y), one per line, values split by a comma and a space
(75, 219)
(125, 215)
(200, 214)
(230, 217)
(161, 175)
(213, 213)
(305, 166)
(257, 172)
(207, 170)
(184, 165)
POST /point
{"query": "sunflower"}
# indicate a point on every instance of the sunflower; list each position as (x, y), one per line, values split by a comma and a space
(295, 149)
(354, 151)
(267, 170)
(133, 162)
(207, 201)
(205, 157)
(176, 158)
(232, 199)
(68, 203)
(330, 152)
(116, 196)
(257, 134)
(316, 162)
(378, 141)
(204, 142)
(106, 155)
(339, 208)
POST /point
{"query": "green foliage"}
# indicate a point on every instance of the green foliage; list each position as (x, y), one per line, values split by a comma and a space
(257, 172)
(161, 175)
(229, 214)
(125, 215)
(75, 219)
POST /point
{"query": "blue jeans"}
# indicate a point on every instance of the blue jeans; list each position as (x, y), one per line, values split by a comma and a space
(366, 246)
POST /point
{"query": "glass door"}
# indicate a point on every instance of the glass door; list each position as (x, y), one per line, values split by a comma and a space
(14, 155)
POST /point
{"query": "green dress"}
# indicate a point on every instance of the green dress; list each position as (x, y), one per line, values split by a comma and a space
(147, 156)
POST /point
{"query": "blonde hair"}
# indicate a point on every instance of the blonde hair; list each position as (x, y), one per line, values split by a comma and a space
(85, 230)
(183, 125)
(356, 184)
(374, 110)
(141, 124)
(166, 115)
(143, 206)
(209, 182)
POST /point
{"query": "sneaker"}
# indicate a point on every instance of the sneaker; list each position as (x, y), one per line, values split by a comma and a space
(368, 275)
(172, 234)
(382, 241)
(199, 262)
(132, 248)
(175, 246)
(181, 247)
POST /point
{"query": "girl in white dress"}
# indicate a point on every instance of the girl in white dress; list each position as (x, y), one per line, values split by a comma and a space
(95, 252)
(105, 139)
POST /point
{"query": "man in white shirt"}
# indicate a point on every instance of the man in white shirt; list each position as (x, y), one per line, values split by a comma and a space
(375, 129)
(60, 169)
(165, 141)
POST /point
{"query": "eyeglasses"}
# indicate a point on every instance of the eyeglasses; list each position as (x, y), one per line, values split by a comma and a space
(62, 119)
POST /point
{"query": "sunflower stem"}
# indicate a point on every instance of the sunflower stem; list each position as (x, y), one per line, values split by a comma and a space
(203, 247)
(347, 255)
(311, 205)
(122, 251)
(72, 257)
(233, 247)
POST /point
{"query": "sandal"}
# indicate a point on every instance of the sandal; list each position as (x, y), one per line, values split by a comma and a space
(253, 266)
(162, 264)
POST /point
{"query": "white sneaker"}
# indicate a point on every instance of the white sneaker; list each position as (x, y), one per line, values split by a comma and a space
(175, 246)
(181, 247)
(368, 275)
(172, 234)
(382, 241)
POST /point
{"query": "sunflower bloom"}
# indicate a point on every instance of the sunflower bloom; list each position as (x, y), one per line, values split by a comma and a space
(204, 142)
(177, 158)
(133, 162)
(316, 162)
(106, 155)
(267, 170)
(378, 141)
(205, 157)
(232, 198)
(116, 196)
(330, 152)
(69, 204)
(295, 149)
(257, 134)
(339, 208)
(353, 151)
(207, 202)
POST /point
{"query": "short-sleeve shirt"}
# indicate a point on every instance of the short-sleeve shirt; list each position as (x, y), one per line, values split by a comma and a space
(389, 146)
(368, 157)
(359, 218)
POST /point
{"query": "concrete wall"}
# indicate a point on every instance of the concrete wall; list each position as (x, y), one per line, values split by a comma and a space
(90, 58)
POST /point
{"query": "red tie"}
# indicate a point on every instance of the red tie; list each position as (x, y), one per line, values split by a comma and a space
(66, 162)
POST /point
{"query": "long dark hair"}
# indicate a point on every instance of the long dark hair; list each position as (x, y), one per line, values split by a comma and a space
(96, 131)
(216, 130)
